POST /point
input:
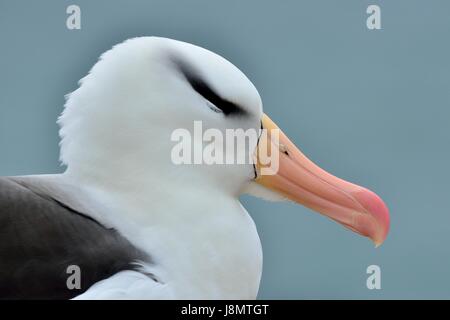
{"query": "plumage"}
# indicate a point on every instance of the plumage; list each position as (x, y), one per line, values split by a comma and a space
(40, 237)
(138, 224)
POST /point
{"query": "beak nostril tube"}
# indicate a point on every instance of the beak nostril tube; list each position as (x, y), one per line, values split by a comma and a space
(284, 149)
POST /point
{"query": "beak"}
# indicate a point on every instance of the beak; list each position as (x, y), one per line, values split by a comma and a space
(299, 179)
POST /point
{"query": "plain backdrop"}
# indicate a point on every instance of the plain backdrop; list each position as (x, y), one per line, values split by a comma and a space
(370, 106)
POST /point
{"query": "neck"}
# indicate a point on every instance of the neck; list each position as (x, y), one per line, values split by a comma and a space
(196, 235)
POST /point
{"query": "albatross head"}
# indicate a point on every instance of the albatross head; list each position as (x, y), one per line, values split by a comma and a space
(150, 100)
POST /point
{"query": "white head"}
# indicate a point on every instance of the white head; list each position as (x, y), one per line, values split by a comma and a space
(120, 121)
(122, 116)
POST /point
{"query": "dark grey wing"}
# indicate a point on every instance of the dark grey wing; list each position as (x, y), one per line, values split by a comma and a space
(41, 237)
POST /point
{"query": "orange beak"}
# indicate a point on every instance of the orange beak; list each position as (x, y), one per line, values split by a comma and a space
(300, 180)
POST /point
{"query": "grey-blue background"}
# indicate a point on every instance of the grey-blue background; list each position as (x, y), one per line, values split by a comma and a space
(372, 107)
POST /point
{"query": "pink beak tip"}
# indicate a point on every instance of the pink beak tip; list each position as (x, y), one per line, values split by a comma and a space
(376, 207)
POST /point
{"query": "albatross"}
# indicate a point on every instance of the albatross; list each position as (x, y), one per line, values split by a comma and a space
(134, 223)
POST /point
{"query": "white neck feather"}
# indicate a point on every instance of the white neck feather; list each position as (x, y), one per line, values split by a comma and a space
(202, 241)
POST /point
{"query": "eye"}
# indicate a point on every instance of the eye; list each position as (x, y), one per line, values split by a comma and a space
(202, 88)
(214, 101)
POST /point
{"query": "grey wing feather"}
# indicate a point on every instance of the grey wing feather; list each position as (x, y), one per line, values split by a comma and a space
(40, 237)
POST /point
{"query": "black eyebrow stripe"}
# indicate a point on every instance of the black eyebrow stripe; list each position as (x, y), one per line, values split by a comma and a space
(202, 88)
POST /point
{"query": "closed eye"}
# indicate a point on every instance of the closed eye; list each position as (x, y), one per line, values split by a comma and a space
(206, 91)
(227, 107)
